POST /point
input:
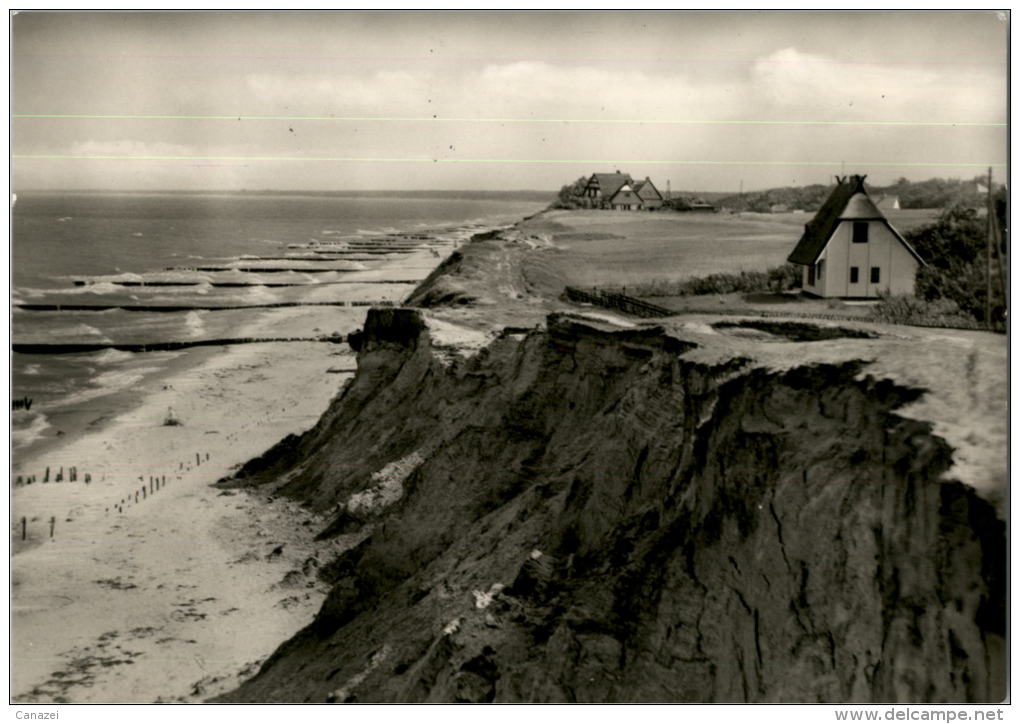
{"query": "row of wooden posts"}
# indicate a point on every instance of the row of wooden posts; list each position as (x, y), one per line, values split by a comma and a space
(198, 461)
(24, 526)
(72, 476)
(23, 403)
(156, 483)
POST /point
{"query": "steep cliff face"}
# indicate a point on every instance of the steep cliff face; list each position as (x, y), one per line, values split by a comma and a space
(579, 514)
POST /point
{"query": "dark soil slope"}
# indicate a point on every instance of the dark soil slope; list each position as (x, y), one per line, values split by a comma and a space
(576, 514)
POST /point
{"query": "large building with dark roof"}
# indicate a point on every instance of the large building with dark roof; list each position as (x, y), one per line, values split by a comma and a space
(601, 187)
(850, 250)
(619, 191)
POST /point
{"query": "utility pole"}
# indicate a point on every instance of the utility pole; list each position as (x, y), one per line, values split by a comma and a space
(988, 256)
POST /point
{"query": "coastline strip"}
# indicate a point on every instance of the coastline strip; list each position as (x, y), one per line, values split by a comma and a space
(87, 282)
(189, 308)
(78, 348)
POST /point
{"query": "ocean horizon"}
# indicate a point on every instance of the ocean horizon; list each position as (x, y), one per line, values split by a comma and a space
(89, 266)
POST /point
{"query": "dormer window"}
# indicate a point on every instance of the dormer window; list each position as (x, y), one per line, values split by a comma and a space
(860, 232)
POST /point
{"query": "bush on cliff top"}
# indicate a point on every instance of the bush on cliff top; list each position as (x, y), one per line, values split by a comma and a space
(777, 279)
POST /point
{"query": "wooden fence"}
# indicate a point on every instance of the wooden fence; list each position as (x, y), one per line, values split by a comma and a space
(612, 300)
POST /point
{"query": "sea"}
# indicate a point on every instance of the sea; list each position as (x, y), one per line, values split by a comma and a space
(122, 272)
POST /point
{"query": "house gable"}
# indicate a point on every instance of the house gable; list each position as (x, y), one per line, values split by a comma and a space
(625, 196)
(605, 185)
(647, 191)
(848, 201)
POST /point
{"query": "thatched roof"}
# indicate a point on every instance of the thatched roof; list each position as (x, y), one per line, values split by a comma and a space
(609, 183)
(818, 231)
(848, 201)
(861, 208)
(646, 189)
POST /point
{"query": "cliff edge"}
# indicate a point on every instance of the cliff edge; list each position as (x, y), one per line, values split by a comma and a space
(587, 511)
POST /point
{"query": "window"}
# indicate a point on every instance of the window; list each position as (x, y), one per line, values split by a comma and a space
(854, 275)
(818, 271)
(875, 275)
(811, 275)
(860, 232)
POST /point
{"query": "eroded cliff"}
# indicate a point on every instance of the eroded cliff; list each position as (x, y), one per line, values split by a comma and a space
(579, 513)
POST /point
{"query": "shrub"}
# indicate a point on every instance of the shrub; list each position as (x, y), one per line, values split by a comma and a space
(954, 249)
(571, 196)
(777, 280)
(906, 309)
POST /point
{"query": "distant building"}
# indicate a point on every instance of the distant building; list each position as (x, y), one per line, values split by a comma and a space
(850, 250)
(601, 187)
(700, 205)
(625, 199)
(649, 195)
(888, 203)
(778, 209)
(619, 191)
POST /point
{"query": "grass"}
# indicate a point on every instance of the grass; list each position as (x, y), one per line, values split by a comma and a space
(911, 310)
(620, 248)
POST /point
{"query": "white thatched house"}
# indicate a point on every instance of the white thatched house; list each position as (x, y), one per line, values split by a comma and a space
(849, 249)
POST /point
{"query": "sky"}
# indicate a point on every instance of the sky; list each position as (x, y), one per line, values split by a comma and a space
(709, 101)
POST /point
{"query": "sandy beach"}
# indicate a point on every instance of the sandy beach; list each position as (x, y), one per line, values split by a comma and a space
(183, 593)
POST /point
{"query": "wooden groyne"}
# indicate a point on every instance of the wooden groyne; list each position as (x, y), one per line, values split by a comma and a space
(78, 348)
(87, 282)
(259, 269)
(320, 259)
(191, 308)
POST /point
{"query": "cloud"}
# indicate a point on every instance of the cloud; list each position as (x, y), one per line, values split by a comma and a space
(781, 85)
(786, 84)
(341, 94)
(814, 87)
(130, 147)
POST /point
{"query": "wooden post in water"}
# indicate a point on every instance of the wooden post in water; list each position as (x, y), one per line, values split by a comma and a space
(24, 527)
(46, 477)
(198, 460)
(143, 493)
(53, 524)
(136, 497)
